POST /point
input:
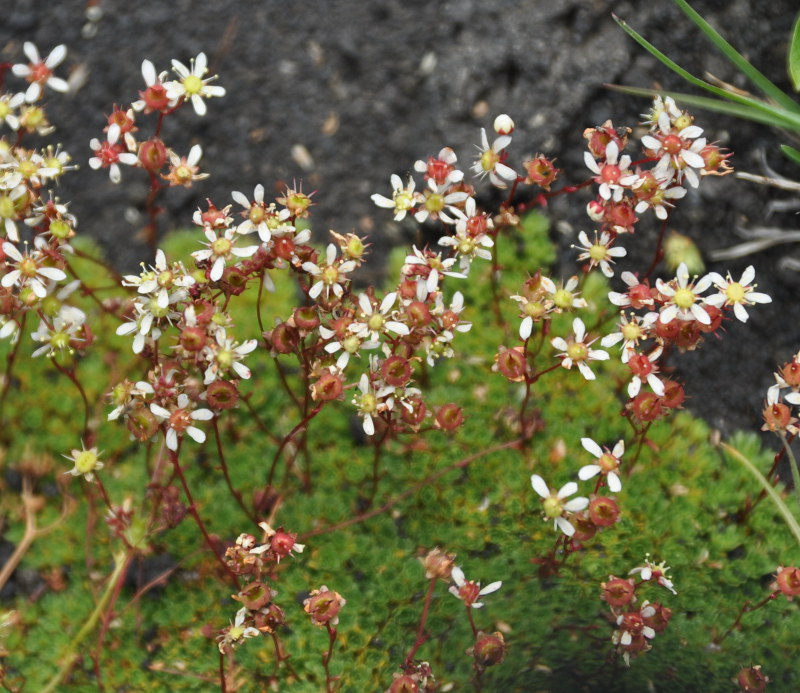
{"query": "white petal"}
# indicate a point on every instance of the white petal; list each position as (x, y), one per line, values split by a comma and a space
(567, 489)
(195, 434)
(565, 526)
(589, 471)
(591, 447)
(540, 486)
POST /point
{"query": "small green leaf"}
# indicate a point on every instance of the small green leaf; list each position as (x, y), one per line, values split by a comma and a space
(791, 153)
(741, 63)
(793, 55)
(758, 111)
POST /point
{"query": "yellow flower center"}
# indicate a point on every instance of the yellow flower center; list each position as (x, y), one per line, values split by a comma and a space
(350, 344)
(165, 278)
(735, 292)
(631, 332)
(534, 309)
(221, 247)
(330, 275)
(606, 462)
(489, 159)
(403, 200)
(466, 246)
(684, 298)
(225, 359)
(85, 461)
(577, 351)
(368, 403)
(563, 299)
(552, 507)
(28, 267)
(60, 229)
(434, 202)
(598, 252)
(193, 84)
(375, 322)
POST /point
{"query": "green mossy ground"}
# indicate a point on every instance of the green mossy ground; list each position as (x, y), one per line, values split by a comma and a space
(678, 504)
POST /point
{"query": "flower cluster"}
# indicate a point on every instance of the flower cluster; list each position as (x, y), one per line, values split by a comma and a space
(121, 145)
(673, 313)
(580, 518)
(637, 624)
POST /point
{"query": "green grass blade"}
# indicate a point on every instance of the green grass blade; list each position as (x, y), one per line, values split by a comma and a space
(767, 115)
(768, 487)
(672, 65)
(793, 55)
(741, 63)
(791, 153)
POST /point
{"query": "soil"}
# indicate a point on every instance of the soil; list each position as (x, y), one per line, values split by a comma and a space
(342, 93)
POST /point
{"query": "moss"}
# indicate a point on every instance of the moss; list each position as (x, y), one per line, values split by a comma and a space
(679, 503)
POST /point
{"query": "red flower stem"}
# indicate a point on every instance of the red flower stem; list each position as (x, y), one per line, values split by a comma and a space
(376, 459)
(421, 635)
(326, 660)
(659, 253)
(472, 622)
(70, 373)
(223, 687)
(306, 419)
(746, 609)
(173, 456)
(411, 491)
(257, 419)
(223, 465)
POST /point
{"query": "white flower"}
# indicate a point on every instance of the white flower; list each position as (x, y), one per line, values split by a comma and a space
(490, 161)
(607, 463)
(225, 355)
(577, 351)
(57, 337)
(613, 175)
(623, 300)
(403, 197)
(147, 317)
(429, 266)
(236, 633)
(737, 294)
(40, 72)
(659, 201)
(9, 103)
(110, 155)
(554, 506)
(331, 276)
(683, 299)
(442, 169)
(678, 152)
(657, 571)
(468, 591)
(159, 279)
(155, 96)
(191, 85)
(85, 462)
(374, 322)
(600, 252)
(220, 250)
(631, 331)
(350, 345)
(180, 420)
(256, 214)
(371, 401)
(28, 272)
(643, 368)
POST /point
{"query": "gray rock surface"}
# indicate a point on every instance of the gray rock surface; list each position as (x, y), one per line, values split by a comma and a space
(366, 87)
